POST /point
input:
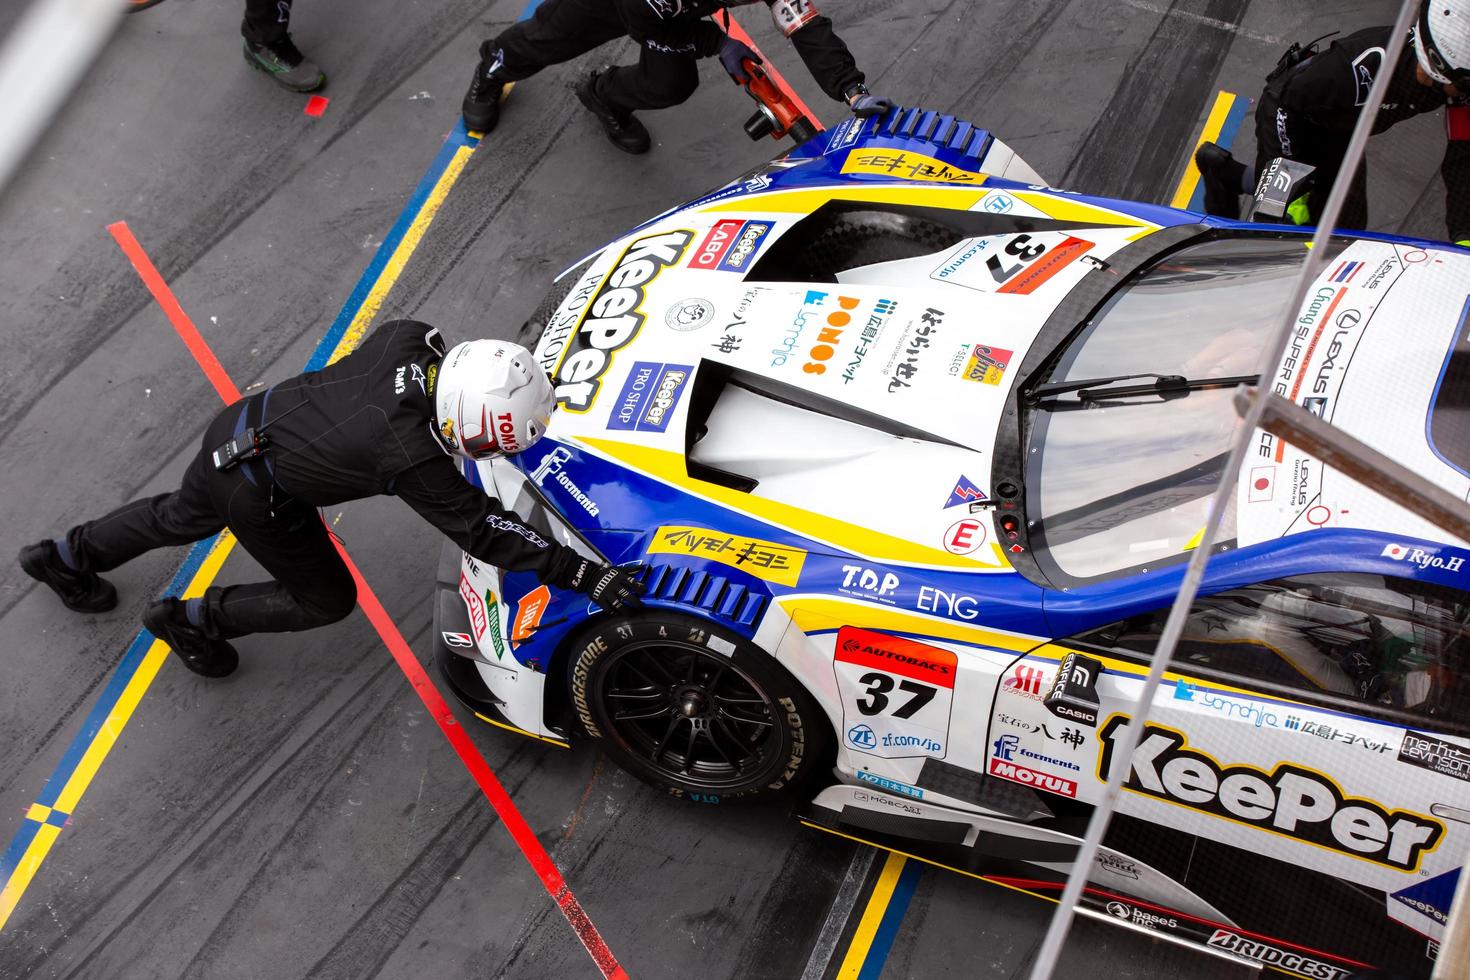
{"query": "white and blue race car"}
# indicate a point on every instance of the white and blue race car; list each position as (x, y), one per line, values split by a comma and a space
(913, 449)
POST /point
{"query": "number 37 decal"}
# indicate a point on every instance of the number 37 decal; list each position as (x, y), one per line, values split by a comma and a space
(896, 694)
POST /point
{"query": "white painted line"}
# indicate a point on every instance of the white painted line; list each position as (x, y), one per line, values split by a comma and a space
(847, 894)
(1215, 22)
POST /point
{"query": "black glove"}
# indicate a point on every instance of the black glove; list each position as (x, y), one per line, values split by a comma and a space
(610, 587)
(733, 55)
(867, 104)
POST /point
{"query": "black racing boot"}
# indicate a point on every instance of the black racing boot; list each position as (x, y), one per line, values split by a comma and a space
(1223, 176)
(286, 65)
(167, 620)
(481, 105)
(85, 592)
(623, 128)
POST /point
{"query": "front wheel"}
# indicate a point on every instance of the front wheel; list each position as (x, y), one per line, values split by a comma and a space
(694, 709)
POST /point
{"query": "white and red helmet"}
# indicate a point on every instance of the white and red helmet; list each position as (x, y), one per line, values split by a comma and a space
(1442, 42)
(492, 399)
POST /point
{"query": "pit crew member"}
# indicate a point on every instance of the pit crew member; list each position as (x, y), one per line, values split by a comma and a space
(390, 418)
(1308, 110)
(671, 35)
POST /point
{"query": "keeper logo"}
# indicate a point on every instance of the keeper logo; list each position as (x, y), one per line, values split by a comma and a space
(1289, 800)
(614, 317)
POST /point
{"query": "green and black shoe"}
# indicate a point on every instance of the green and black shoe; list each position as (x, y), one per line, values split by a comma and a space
(288, 67)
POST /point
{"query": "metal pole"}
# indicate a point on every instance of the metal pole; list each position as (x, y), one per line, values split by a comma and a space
(1315, 261)
(46, 53)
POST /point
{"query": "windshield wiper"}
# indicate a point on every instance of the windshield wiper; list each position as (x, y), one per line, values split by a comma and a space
(1164, 385)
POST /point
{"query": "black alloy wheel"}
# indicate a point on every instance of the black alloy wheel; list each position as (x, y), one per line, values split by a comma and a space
(693, 708)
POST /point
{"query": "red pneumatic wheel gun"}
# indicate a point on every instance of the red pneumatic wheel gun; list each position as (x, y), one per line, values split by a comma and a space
(777, 116)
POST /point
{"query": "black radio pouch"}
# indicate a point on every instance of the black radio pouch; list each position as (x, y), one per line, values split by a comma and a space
(1294, 56)
(249, 444)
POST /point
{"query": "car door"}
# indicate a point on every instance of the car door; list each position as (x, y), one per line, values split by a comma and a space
(1313, 737)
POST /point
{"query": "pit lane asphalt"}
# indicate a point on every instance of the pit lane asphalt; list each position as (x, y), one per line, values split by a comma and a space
(304, 817)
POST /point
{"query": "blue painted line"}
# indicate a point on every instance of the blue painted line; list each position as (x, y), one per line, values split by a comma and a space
(1228, 131)
(898, 905)
(128, 666)
(406, 218)
(123, 674)
(18, 845)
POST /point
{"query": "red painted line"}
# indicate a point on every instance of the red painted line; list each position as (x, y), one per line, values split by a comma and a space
(738, 33)
(480, 771)
(175, 313)
(525, 838)
(316, 105)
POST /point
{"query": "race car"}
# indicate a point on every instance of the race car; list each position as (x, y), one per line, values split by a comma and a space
(911, 450)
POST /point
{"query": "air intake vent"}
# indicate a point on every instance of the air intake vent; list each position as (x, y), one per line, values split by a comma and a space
(713, 594)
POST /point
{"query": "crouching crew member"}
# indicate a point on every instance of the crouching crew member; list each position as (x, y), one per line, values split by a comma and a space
(390, 418)
(1309, 107)
(671, 34)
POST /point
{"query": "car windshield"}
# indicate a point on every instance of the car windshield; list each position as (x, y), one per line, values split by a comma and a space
(1122, 483)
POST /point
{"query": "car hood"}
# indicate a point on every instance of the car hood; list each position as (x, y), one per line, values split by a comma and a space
(872, 401)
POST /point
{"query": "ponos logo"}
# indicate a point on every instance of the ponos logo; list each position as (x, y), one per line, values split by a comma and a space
(614, 317)
(830, 335)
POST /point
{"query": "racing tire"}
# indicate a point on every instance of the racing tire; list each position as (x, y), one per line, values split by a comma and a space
(694, 709)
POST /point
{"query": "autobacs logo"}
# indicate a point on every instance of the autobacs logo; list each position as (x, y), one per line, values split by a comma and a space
(1259, 952)
(1289, 800)
(614, 316)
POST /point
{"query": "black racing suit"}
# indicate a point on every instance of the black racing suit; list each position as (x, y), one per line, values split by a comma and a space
(357, 428)
(672, 34)
(1308, 115)
(266, 21)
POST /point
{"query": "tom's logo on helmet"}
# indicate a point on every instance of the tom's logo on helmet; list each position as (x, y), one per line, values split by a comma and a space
(491, 399)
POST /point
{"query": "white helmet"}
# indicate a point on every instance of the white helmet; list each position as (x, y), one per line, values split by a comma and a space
(493, 399)
(1442, 42)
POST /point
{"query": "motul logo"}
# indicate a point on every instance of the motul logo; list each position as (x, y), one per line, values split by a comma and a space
(1030, 777)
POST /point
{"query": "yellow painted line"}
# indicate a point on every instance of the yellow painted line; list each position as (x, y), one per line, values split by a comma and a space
(102, 744)
(862, 940)
(389, 277)
(112, 728)
(521, 731)
(931, 862)
(1213, 123)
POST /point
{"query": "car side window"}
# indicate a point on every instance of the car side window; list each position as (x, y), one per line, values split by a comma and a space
(1388, 642)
